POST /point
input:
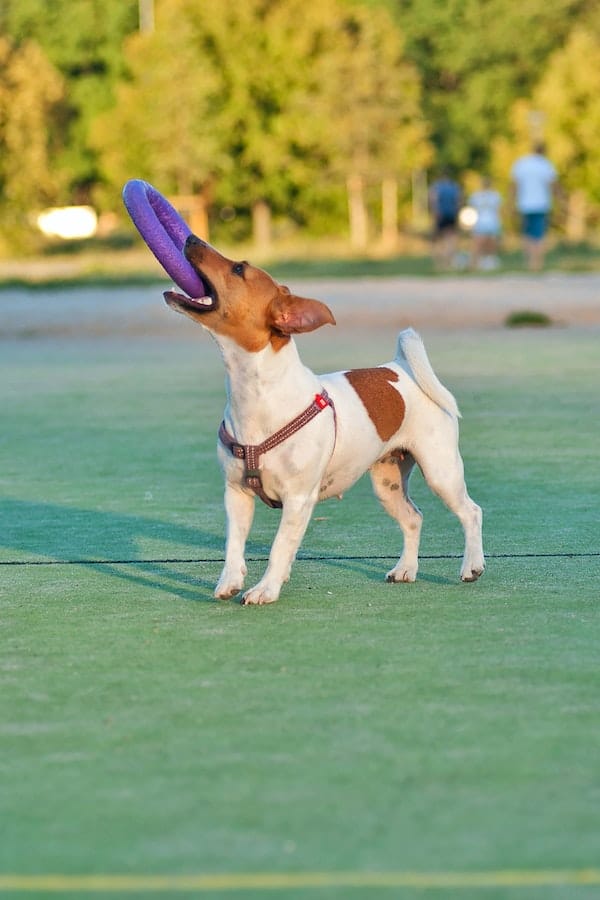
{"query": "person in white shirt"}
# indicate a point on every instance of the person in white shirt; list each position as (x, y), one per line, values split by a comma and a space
(534, 179)
(486, 203)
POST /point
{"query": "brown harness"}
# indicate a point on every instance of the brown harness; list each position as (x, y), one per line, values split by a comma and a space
(251, 453)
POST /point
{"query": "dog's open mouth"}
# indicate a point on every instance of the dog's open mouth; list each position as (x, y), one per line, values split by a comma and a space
(182, 302)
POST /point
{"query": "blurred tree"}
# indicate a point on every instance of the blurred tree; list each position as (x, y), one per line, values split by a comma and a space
(160, 127)
(261, 54)
(264, 103)
(369, 102)
(277, 105)
(563, 111)
(569, 98)
(83, 40)
(30, 91)
(476, 57)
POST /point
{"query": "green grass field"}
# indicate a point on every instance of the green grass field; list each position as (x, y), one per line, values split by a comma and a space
(434, 740)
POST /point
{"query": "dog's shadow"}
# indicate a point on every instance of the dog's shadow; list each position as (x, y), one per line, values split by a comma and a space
(109, 543)
(373, 569)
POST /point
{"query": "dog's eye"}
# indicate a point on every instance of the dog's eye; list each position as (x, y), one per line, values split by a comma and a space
(238, 269)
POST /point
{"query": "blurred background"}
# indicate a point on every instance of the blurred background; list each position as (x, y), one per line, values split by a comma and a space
(293, 126)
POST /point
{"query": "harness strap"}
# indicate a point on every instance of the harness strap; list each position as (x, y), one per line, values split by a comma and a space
(251, 453)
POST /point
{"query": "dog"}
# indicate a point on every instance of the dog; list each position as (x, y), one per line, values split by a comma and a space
(293, 438)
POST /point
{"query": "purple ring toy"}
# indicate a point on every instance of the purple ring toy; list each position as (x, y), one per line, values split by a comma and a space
(164, 231)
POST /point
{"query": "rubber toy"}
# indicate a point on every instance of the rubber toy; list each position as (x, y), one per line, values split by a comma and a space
(164, 231)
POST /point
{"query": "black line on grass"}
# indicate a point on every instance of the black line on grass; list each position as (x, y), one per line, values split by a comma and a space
(201, 559)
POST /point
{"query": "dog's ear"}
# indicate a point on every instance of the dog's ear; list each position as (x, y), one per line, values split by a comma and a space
(289, 314)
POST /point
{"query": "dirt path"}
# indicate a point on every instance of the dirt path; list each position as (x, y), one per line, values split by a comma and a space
(454, 302)
(421, 302)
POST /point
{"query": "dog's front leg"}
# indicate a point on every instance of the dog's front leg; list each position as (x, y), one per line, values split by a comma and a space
(295, 517)
(239, 507)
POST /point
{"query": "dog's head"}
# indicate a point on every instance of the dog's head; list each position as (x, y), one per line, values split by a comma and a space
(244, 303)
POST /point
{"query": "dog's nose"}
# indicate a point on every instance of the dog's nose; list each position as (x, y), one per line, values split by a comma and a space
(192, 242)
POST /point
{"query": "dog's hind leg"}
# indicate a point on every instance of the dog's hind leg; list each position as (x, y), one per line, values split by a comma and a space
(443, 470)
(239, 507)
(390, 477)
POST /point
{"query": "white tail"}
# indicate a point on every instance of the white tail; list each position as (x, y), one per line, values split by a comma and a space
(411, 351)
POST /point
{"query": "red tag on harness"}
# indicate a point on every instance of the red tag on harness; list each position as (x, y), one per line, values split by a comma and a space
(320, 401)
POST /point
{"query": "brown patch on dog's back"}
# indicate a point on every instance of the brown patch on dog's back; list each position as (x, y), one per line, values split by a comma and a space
(383, 403)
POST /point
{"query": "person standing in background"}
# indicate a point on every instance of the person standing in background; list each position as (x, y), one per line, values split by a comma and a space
(534, 179)
(486, 231)
(445, 198)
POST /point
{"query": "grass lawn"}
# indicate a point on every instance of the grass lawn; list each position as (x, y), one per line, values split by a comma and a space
(355, 726)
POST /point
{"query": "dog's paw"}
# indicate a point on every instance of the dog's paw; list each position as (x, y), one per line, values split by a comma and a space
(260, 595)
(473, 566)
(472, 574)
(401, 573)
(230, 583)
(226, 593)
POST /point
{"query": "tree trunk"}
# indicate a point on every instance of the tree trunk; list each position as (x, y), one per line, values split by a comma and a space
(194, 209)
(146, 15)
(359, 227)
(389, 213)
(576, 216)
(199, 217)
(420, 200)
(261, 226)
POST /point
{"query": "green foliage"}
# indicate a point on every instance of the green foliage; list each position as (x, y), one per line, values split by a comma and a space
(275, 102)
(563, 109)
(83, 40)
(284, 101)
(475, 58)
(568, 95)
(526, 318)
(30, 92)
(159, 128)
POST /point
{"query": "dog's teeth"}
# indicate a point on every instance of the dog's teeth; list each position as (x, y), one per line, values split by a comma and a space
(204, 301)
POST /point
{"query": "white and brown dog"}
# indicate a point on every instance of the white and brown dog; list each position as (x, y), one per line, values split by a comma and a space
(294, 438)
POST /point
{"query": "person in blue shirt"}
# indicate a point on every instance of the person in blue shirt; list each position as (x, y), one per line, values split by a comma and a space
(445, 198)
